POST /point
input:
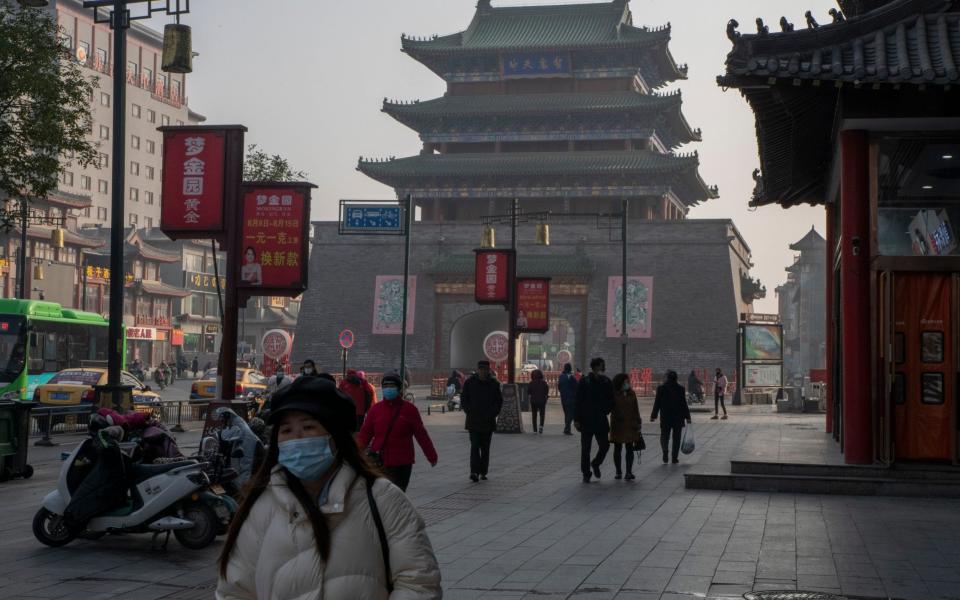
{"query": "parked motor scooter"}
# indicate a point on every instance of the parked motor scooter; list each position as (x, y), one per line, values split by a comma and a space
(164, 498)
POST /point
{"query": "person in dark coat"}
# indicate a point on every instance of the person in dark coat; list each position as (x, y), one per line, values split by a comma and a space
(567, 386)
(671, 406)
(695, 386)
(537, 392)
(481, 400)
(593, 405)
(625, 424)
(195, 366)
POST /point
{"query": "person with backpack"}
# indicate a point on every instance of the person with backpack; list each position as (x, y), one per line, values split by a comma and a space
(538, 391)
(567, 386)
(389, 430)
(360, 392)
(671, 405)
(318, 521)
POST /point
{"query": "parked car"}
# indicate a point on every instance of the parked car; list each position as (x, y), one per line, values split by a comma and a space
(72, 387)
(248, 380)
(528, 368)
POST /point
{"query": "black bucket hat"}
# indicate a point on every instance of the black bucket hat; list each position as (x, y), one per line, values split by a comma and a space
(319, 398)
(393, 378)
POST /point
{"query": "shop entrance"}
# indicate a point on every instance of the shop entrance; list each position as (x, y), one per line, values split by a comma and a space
(921, 365)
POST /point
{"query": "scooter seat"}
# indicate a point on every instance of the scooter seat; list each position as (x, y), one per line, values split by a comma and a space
(144, 472)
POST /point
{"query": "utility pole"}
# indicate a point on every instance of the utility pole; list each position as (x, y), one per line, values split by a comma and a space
(408, 225)
(512, 305)
(624, 334)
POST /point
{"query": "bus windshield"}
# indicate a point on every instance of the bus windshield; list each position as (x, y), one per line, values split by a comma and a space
(13, 348)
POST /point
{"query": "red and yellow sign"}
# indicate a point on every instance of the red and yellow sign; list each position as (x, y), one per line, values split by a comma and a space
(492, 283)
(273, 243)
(533, 305)
(193, 182)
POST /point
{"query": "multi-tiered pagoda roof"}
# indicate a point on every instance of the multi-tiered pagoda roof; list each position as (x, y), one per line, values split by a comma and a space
(548, 102)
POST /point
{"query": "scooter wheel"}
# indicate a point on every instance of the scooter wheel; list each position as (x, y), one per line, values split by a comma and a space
(204, 530)
(50, 529)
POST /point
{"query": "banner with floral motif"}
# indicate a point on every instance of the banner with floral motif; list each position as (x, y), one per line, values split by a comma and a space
(639, 307)
(388, 304)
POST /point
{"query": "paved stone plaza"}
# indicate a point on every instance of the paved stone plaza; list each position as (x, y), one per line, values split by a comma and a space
(535, 531)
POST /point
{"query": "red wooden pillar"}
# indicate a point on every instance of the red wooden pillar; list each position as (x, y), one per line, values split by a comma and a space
(830, 338)
(855, 296)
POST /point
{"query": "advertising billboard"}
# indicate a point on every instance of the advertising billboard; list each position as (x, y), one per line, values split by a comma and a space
(533, 305)
(761, 375)
(192, 196)
(762, 342)
(492, 277)
(274, 232)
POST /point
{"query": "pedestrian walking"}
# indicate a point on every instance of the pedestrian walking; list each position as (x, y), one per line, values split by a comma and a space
(159, 378)
(318, 522)
(671, 406)
(308, 368)
(389, 430)
(195, 366)
(695, 386)
(277, 381)
(363, 396)
(481, 401)
(567, 387)
(719, 390)
(537, 393)
(625, 424)
(593, 405)
(455, 380)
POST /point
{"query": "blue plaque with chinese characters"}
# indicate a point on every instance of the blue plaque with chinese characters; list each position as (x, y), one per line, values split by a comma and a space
(384, 218)
(536, 64)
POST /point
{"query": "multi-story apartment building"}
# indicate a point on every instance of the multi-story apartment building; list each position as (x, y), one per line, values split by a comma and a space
(154, 98)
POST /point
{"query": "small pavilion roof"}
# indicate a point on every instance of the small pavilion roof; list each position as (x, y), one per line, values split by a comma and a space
(158, 288)
(812, 241)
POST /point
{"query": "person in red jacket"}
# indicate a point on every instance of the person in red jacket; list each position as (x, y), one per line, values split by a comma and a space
(361, 392)
(389, 430)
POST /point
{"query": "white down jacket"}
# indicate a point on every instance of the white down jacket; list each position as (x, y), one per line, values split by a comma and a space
(275, 557)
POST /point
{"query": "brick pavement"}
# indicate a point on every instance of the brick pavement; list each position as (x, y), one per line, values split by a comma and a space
(535, 531)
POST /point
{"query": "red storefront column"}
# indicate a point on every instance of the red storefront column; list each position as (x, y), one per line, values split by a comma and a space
(855, 296)
(831, 355)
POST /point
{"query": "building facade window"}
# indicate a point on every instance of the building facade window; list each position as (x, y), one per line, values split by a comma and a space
(147, 77)
(134, 168)
(165, 120)
(86, 212)
(133, 71)
(66, 178)
(135, 142)
(148, 222)
(151, 147)
(148, 196)
(104, 99)
(132, 217)
(101, 213)
(101, 62)
(149, 172)
(104, 160)
(135, 110)
(86, 183)
(102, 186)
(134, 195)
(104, 132)
(151, 116)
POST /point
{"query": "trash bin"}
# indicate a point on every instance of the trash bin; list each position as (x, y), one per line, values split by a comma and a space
(14, 434)
(524, 400)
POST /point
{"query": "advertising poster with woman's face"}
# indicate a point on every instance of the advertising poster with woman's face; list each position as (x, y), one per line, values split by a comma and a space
(274, 226)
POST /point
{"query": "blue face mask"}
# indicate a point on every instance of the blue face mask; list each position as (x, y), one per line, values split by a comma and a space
(390, 393)
(307, 458)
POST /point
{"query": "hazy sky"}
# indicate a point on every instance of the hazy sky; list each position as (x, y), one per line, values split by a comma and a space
(308, 77)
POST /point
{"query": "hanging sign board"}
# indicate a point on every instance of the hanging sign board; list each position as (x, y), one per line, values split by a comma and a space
(194, 175)
(493, 274)
(275, 227)
(533, 305)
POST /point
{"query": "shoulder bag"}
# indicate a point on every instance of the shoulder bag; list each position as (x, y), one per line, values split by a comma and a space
(382, 534)
(376, 456)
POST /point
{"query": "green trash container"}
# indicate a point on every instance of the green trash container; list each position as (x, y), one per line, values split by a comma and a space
(14, 436)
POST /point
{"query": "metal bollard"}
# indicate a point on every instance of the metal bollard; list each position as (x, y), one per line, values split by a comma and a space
(45, 440)
(178, 428)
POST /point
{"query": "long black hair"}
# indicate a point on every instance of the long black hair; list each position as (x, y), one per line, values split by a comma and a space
(347, 452)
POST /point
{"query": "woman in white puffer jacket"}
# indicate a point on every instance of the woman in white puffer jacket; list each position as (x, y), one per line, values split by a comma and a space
(307, 529)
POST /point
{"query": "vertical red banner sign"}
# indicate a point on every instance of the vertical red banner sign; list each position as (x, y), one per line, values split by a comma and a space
(191, 204)
(272, 253)
(533, 305)
(492, 277)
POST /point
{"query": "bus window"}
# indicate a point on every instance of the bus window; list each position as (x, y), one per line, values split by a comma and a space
(12, 349)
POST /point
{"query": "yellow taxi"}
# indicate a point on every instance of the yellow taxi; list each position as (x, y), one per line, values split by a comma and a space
(72, 387)
(248, 380)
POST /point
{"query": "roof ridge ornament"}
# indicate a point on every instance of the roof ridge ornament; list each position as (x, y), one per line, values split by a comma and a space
(732, 34)
(837, 15)
(761, 28)
(785, 25)
(811, 22)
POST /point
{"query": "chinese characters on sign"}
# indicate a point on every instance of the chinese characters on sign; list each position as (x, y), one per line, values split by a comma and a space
(273, 239)
(202, 282)
(492, 284)
(533, 305)
(536, 64)
(193, 182)
(141, 333)
(102, 275)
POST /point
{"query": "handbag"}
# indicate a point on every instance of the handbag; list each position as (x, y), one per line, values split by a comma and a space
(376, 456)
(382, 534)
(689, 444)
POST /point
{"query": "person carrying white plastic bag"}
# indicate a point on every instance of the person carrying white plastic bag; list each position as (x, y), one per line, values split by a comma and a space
(671, 404)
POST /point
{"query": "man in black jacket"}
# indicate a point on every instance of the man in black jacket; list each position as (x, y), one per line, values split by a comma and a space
(671, 405)
(481, 400)
(593, 405)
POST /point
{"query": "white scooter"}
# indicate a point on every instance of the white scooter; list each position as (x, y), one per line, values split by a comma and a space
(164, 498)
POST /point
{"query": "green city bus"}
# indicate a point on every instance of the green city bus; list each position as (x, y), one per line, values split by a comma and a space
(39, 339)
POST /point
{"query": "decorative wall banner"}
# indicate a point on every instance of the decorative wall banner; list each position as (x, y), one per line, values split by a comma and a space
(492, 276)
(639, 307)
(762, 342)
(273, 243)
(388, 304)
(533, 305)
(193, 183)
(536, 64)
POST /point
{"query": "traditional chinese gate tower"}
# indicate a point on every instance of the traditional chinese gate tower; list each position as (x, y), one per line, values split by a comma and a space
(557, 107)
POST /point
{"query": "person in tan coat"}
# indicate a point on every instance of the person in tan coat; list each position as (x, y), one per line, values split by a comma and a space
(624, 424)
(319, 521)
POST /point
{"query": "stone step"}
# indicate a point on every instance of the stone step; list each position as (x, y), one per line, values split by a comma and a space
(905, 472)
(805, 484)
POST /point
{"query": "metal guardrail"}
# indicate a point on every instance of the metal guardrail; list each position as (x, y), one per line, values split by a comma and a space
(47, 422)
